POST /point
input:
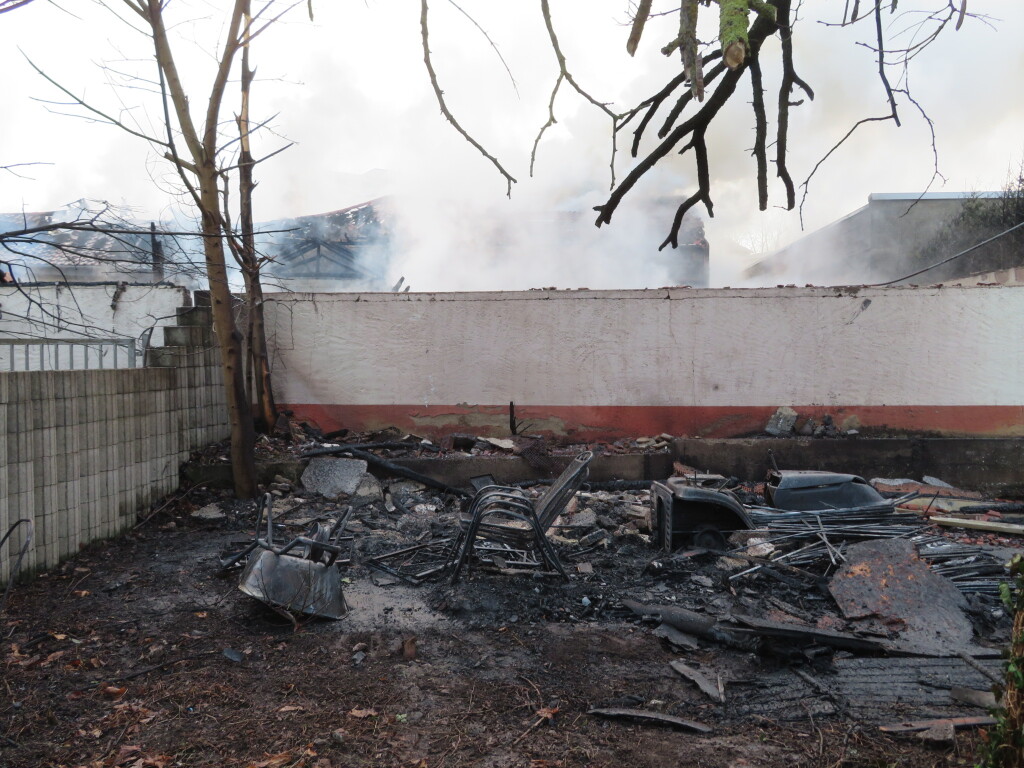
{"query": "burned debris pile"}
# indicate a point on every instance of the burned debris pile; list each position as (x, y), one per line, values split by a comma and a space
(809, 593)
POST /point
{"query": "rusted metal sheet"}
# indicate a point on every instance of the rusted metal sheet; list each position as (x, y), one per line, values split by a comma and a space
(885, 586)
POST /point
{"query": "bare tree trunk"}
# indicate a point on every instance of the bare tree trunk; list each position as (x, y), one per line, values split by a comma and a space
(243, 435)
(202, 149)
(258, 356)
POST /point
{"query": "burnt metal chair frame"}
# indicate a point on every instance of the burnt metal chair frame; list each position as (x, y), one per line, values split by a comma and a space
(510, 504)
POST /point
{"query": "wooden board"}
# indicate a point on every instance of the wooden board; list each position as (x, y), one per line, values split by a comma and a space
(979, 525)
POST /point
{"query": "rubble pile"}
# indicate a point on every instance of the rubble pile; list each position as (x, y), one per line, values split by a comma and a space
(805, 591)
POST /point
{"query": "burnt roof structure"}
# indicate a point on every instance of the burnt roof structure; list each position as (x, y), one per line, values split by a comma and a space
(349, 244)
(96, 245)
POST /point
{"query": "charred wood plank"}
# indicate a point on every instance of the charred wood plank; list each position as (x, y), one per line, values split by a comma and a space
(713, 690)
(958, 723)
(647, 716)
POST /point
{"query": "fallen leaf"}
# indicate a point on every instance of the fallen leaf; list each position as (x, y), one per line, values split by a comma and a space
(201, 614)
(363, 713)
(52, 658)
(81, 593)
(291, 708)
(273, 761)
(125, 753)
(112, 692)
(547, 713)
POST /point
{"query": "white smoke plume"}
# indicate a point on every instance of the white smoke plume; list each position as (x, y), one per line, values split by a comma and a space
(351, 90)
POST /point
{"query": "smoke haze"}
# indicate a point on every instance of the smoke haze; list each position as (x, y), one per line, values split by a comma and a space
(351, 91)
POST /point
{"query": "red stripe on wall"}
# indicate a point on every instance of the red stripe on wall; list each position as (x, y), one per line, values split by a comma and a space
(609, 422)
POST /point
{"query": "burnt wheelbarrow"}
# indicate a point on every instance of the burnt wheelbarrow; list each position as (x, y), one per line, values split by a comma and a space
(301, 576)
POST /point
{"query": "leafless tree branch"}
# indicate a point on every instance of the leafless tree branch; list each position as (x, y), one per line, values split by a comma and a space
(425, 34)
(567, 75)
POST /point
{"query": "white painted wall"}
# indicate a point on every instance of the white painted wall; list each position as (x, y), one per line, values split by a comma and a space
(91, 310)
(765, 347)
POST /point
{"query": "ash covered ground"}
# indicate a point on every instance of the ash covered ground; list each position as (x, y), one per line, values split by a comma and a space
(140, 652)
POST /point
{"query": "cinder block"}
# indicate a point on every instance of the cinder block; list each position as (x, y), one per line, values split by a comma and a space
(36, 417)
(201, 316)
(26, 477)
(72, 415)
(188, 336)
(100, 408)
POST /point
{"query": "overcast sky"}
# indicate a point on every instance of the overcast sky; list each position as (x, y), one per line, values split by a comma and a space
(351, 91)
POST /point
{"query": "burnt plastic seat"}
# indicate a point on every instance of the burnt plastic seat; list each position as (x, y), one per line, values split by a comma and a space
(506, 516)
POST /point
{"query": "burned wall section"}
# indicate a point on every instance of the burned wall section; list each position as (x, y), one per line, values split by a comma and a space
(700, 363)
(81, 451)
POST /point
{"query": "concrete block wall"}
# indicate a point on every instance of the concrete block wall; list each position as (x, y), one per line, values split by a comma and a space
(81, 451)
(940, 361)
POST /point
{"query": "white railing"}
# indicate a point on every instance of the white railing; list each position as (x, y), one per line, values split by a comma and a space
(67, 354)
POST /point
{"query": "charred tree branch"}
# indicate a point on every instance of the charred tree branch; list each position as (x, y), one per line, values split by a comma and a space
(879, 37)
(551, 121)
(696, 125)
(703, 193)
(425, 35)
(760, 133)
(564, 70)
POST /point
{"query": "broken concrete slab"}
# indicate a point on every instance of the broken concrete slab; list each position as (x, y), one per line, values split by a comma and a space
(211, 513)
(402, 488)
(886, 586)
(782, 422)
(332, 477)
(367, 492)
(585, 518)
(497, 442)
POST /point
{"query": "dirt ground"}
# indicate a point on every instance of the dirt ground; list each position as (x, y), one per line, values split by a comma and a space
(136, 653)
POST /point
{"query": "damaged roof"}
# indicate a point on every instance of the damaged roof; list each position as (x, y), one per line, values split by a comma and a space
(64, 249)
(343, 244)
